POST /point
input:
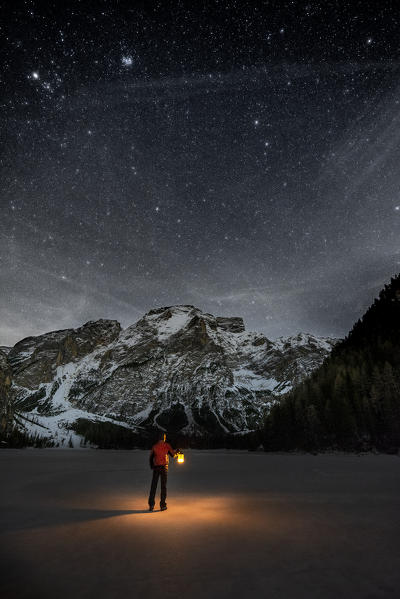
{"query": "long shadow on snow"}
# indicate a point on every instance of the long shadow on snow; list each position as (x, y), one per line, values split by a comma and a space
(13, 520)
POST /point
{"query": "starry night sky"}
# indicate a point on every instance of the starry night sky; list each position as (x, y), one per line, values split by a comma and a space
(239, 156)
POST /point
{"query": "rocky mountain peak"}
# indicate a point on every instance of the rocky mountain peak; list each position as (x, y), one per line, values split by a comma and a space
(177, 368)
(174, 324)
(35, 359)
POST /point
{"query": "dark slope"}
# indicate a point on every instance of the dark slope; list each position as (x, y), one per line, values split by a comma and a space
(352, 401)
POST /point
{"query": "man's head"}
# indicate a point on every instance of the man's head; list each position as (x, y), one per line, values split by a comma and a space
(162, 437)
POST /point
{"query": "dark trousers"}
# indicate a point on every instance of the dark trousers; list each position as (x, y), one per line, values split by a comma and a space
(157, 472)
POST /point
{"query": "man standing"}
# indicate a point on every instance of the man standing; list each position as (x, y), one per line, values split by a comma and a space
(159, 464)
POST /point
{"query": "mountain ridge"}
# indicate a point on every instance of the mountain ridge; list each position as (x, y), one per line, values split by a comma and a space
(177, 369)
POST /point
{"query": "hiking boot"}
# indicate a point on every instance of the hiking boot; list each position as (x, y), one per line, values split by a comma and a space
(163, 508)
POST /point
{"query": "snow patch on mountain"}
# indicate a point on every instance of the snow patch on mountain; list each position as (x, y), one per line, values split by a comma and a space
(243, 377)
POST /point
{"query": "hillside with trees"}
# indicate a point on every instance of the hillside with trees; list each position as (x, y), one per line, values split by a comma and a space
(352, 401)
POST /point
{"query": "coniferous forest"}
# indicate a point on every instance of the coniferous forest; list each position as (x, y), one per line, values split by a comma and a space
(352, 401)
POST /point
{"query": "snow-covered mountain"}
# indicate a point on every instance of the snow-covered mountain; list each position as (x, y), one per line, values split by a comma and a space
(177, 368)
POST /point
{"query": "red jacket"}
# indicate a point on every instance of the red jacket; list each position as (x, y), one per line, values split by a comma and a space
(159, 453)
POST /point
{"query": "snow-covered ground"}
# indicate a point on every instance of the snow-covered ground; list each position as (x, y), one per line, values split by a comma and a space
(238, 525)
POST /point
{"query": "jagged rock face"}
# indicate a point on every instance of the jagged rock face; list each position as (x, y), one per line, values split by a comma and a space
(233, 325)
(5, 384)
(3, 360)
(177, 368)
(34, 360)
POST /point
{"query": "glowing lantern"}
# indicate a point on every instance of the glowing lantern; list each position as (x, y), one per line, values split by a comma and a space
(180, 458)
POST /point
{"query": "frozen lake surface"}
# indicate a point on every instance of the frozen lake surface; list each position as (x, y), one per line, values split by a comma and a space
(74, 524)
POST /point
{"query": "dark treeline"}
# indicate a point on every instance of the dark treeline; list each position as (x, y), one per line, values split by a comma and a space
(106, 435)
(352, 401)
(18, 439)
(251, 440)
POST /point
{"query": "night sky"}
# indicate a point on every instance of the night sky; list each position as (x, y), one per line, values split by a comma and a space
(240, 156)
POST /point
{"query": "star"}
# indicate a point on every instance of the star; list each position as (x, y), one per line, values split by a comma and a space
(127, 61)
